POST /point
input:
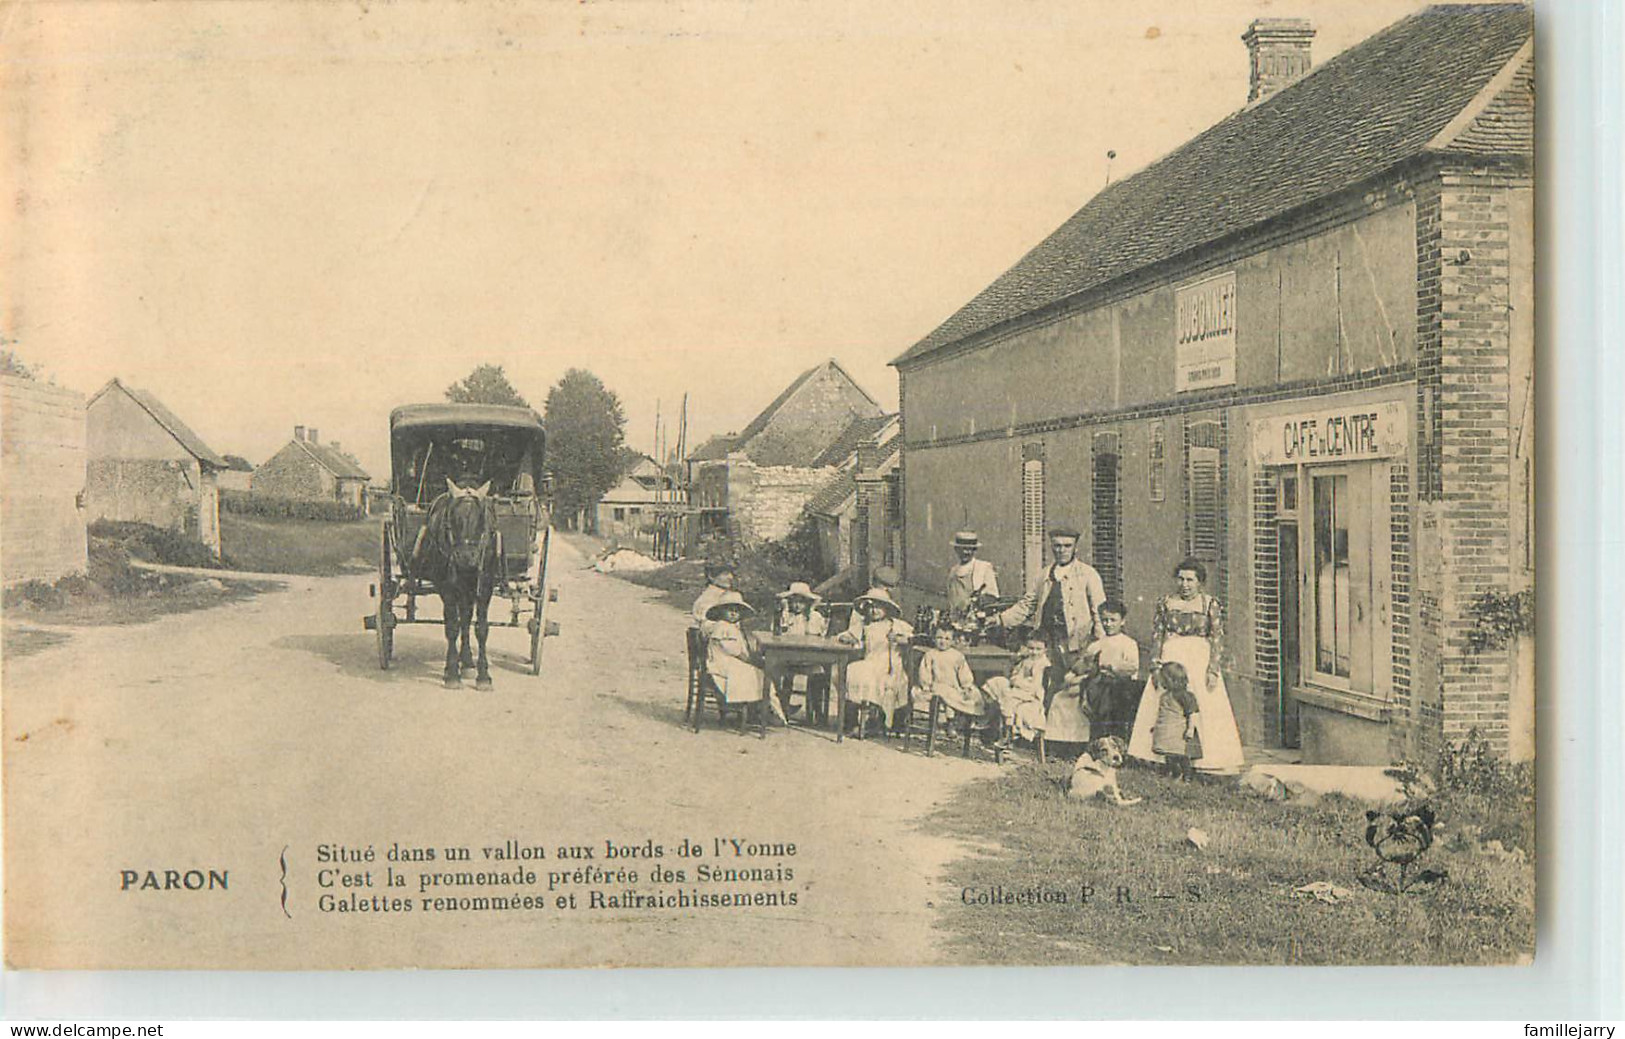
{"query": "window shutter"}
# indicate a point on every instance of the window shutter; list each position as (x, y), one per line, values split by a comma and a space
(1157, 472)
(1206, 495)
(1032, 510)
(1106, 511)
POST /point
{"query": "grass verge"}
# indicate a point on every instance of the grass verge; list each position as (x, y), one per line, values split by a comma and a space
(111, 591)
(316, 548)
(1153, 897)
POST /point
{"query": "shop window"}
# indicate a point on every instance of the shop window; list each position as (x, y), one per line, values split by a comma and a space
(1333, 611)
(1345, 551)
(1032, 510)
(1106, 508)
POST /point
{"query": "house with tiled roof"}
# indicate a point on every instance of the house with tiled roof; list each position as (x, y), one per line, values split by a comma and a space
(144, 464)
(857, 509)
(628, 509)
(309, 469)
(755, 484)
(1298, 350)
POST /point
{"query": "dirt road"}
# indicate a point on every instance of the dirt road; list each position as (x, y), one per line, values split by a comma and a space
(240, 738)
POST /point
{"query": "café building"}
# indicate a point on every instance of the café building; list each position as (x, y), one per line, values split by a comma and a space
(1299, 349)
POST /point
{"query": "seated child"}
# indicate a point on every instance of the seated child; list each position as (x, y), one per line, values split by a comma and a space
(880, 678)
(729, 654)
(946, 675)
(1107, 677)
(1021, 696)
(798, 615)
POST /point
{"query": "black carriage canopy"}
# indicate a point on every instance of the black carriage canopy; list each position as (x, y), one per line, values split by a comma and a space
(469, 443)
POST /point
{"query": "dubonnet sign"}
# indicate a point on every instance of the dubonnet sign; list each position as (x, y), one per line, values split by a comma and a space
(1205, 334)
(1335, 435)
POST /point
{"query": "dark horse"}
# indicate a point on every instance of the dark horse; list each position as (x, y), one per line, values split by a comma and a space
(458, 548)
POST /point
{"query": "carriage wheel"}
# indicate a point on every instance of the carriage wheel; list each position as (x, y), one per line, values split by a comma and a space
(386, 602)
(538, 603)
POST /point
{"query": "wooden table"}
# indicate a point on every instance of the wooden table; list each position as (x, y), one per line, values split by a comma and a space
(782, 652)
(988, 661)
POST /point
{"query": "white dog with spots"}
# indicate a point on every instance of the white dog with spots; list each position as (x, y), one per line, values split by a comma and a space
(1095, 773)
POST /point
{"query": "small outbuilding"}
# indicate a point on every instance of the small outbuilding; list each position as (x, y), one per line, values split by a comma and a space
(146, 465)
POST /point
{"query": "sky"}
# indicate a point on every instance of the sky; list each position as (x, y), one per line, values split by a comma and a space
(287, 213)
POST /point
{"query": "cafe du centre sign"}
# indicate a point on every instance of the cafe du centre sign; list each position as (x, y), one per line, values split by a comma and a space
(1350, 434)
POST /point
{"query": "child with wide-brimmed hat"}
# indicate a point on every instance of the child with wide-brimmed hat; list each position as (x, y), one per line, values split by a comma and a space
(880, 678)
(798, 615)
(729, 653)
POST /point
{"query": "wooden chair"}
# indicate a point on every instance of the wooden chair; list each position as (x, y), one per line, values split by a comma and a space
(701, 685)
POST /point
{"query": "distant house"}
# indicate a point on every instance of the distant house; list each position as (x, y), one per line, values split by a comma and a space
(146, 465)
(237, 473)
(754, 485)
(307, 468)
(42, 480)
(858, 510)
(627, 509)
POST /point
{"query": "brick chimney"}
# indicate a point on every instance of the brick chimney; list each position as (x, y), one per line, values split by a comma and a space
(1278, 53)
(312, 434)
(299, 432)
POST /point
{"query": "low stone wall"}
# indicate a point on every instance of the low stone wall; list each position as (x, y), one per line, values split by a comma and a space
(42, 479)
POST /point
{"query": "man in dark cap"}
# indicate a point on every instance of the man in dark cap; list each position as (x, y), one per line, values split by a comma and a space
(1064, 606)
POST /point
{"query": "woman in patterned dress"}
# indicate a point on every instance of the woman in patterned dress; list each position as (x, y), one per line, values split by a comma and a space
(1188, 629)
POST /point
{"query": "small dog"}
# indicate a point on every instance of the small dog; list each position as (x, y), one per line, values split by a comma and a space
(1095, 774)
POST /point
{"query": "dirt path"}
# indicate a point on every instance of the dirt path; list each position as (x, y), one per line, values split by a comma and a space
(228, 738)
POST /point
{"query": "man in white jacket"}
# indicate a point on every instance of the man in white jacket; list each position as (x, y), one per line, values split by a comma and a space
(970, 582)
(1063, 605)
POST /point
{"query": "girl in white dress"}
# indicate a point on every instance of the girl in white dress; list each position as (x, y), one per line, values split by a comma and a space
(728, 655)
(1188, 629)
(880, 679)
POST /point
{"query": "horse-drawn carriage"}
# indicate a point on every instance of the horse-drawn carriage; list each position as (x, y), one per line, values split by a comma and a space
(467, 520)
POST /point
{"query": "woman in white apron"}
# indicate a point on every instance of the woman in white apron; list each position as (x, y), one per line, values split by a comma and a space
(1188, 628)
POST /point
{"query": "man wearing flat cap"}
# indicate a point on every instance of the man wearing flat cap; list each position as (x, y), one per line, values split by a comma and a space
(1063, 604)
(971, 582)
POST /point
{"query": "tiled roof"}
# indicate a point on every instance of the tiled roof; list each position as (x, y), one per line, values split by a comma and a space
(169, 421)
(714, 449)
(760, 422)
(855, 433)
(334, 460)
(830, 498)
(1372, 107)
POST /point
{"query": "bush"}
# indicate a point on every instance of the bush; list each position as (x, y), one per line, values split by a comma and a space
(251, 503)
(110, 569)
(36, 593)
(1487, 795)
(155, 544)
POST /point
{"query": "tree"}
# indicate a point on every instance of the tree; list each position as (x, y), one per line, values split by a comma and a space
(486, 384)
(585, 431)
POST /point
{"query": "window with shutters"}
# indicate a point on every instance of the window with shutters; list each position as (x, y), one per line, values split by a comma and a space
(1106, 512)
(1032, 510)
(1157, 471)
(1206, 494)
